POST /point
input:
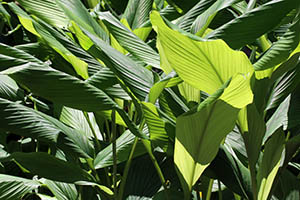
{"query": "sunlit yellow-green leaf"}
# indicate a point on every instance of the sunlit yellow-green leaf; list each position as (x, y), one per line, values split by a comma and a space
(205, 65)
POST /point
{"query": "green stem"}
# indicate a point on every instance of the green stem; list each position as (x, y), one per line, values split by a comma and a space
(209, 190)
(114, 149)
(107, 130)
(126, 170)
(219, 190)
(97, 143)
(156, 165)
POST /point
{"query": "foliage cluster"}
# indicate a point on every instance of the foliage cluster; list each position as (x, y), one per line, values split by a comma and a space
(149, 99)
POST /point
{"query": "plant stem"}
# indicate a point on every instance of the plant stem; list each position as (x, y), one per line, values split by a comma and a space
(97, 143)
(209, 190)
(126, 170)
(114, 148)
(219, 190)
(156, 165)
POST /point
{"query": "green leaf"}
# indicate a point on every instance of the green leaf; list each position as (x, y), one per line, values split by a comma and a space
(246, 28)
(137, 12)
(76, 119)
(231, 171)
(253, 137)
(197, 136)
(39, 163)
(76, 12)
(169, 81)
(43, 30)
(156, 126)
(283, 86)
(124, 145)
(60, 87)
(12, 188)
(10, 56)
(128, 40)
(136, 77)
(62, 191)
(27, 122)
(9, 89)
(270, 164)
(280, 50)
(185, 22)
(47, 11)
(202, 21)
(288, 187)
(203, 65)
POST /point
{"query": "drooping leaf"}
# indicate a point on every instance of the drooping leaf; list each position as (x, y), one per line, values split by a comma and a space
(60, 87)
(39, 163)
(251, 25)
(12, 187)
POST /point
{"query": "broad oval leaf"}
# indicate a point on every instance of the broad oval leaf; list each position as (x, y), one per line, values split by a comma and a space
(203, 65)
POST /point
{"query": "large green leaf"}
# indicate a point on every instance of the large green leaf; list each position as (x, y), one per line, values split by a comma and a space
(254, 23)
(203, 65)
(12, 188)
(39, 163)
(270, 164)
(128, 40)
(137, 12)
(60, 87)
(46, 10)
(25, 121)
(197, 136)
